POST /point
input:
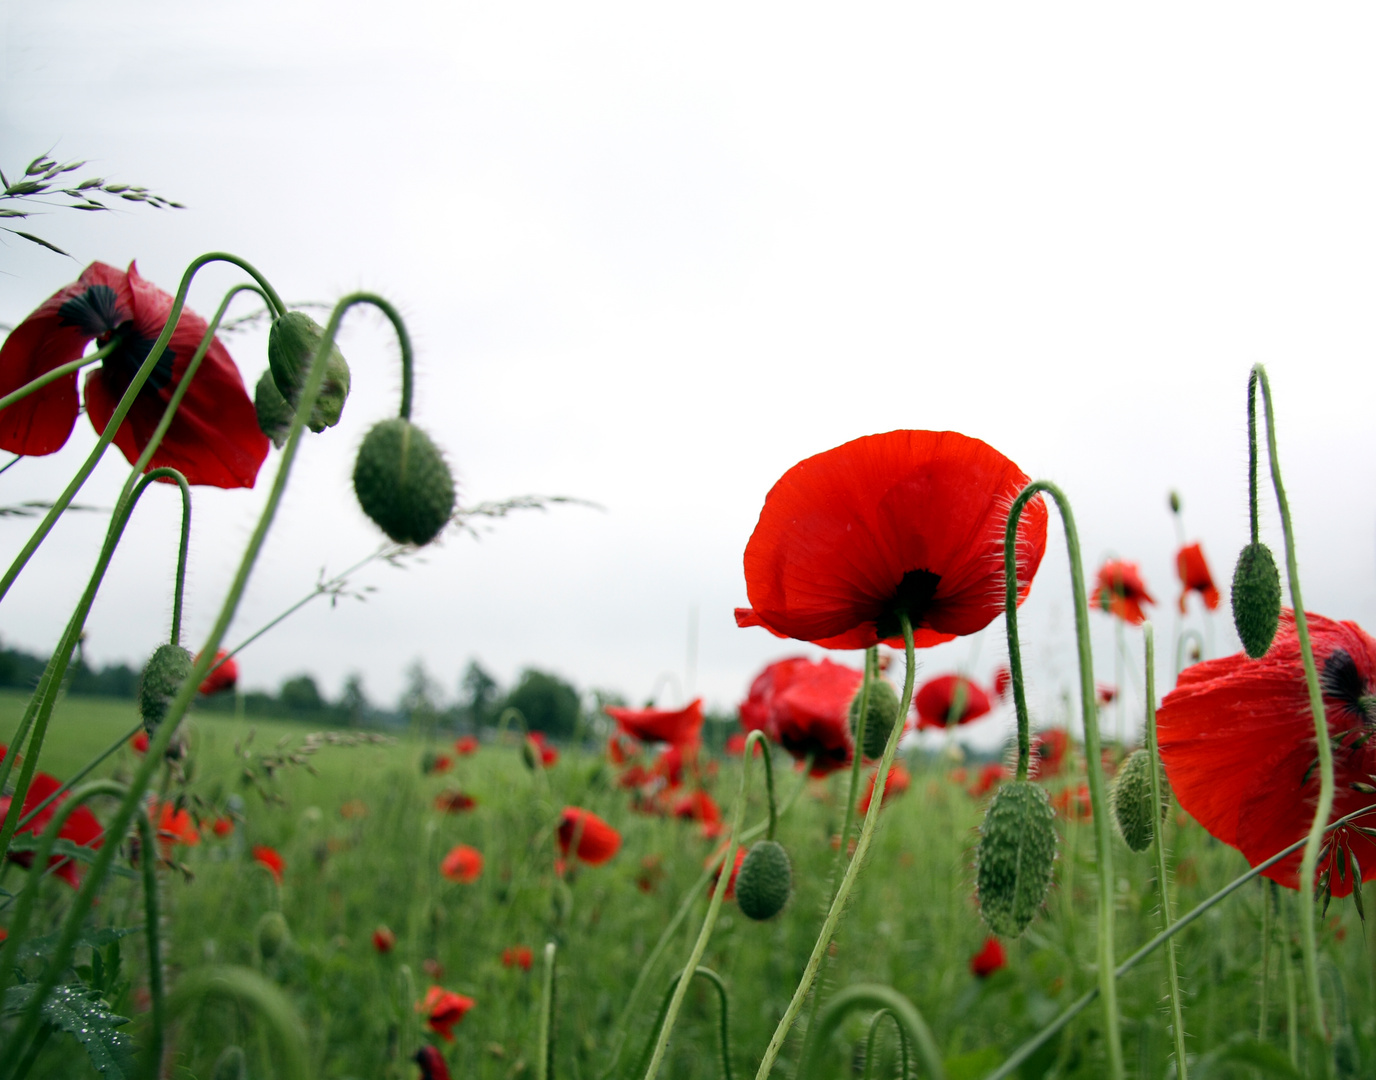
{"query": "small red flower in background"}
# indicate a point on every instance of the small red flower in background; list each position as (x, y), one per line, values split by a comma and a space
(214, 437)
(651, 873)
(431, 1062)
(989, 959)
(677, 726)
(621, 749)
(465, 745)
(1195, 576)
(948, 700)
(139, 743)
(1237, 741)
(223, 675)
(1119, 590)
(909, 520)
(222, 826)
(81, 827)
(1105, 694)
(518, 956)
(538, 746)
(354, 808)
(432, 967)
(735, 869)
(587, 835)
(384, 941)
(989, 778)
(1073, 803)
(699, 806)
(454, 801)
(4, 934)
(1048, 751)
(894, 784)
(443, 1009)
(172, 826)
(1003, 682)
(268, 857)
(735, 745)
(463, 864)
(432, 764)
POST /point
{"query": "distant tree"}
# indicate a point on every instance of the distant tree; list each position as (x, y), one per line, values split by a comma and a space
(478, 692)
(353, 702)
(420, 700)
(301, 695)
(548, 703)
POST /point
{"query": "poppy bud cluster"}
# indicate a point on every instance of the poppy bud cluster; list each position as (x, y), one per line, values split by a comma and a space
(163, 676)
(1017, 849)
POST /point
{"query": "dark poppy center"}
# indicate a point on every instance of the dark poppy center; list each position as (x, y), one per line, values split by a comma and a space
(1342, 681)
(96, 311)
(913, 597)
(120, 367)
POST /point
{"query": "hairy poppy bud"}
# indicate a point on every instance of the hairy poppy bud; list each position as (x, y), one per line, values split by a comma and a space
(273, 934)
(1017, 847)
(292, 344)
(1256, 599)
(274, 414)
(1130, 799)
(230, 1065)
(163, 676)
(881, 715)
(402, 482)
(765, 881)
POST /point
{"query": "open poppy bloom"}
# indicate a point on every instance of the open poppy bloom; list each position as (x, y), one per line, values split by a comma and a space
(894, 784)
(173, 826)
(223, 676)
(81, 827)
(443, 1009)
(1195, 577)
(465, 745)
(1119, 590)
(677, 726)
(1237, 741)
(213, 438)
(453, 801)
(538, 747)
(948, 700)
(907, 521)
(1048, 751)
(463, 864)
(267, 857)
(810, 713)
(587, 835)
(518, 956)
(431, 1062)
(989, 959)
(990, 777)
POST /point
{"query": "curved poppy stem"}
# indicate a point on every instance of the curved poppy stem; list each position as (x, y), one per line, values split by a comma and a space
(1187, 635)
(56, 373)
(1159, 850)
(713, 908)
(911, 1026)
(180, 588)
(1103, 841)
(249, 989)
(838, 903)
(407, 361)
(1310, 859)
(544, 1058)
(870, 1039)
(715, 979)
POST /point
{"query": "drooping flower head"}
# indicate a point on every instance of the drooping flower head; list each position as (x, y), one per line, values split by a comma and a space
(1237, 741)
(907, 521)
(679, 727)
(463, 864)
(949, 700)
(81, 827)
(443, 1009)
(1195, 576)
(214, 437)
(587, 835)
(269, 859)
(223, 676)
(1119, 590)
(989, 959)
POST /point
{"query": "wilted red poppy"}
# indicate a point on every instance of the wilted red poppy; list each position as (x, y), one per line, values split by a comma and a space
(223, 676)
(990, 776)
(81, 826)
(453, 801)
(536, 745)
(213, 438)
(989, 959)
(1048, 751)
(907, 521)
(595, 840)
(139, 743)
(384, 941)
(1119, 589)
(465, 745)
(443, 1009)
(735, 869)
(463, 864)
(431, 1062)
(266, 856)
(222, 826)
(677, 726)
(948, 700)
(1237, 741)
(1195, 576)
(518, 956)
(172, 826)
(894, 784)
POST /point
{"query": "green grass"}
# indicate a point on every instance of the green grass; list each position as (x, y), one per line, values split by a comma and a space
(912, 923)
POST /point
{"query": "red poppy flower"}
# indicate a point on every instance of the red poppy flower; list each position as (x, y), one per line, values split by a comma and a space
(268, 857)
(139, 743)
(677, 726)
(214, 437)
(735, 869)
(757, 710)
(173, 826)
(669, 765)
(81, 827)
(463, 864)
(465, 745)
(634, 776)
(1003, 682)
(537, 744)
(384, 941)
(432, 763)
(735, 745)
(431, 1062)
(907, 520)
(1195, 576)
(1048, 751)
(1237, 741)
(222, 826)
(1105, 694)
(443, 1009)
(1073, 803)
(701, 807)
(989, 959)
(518, 956)
(950, 700)
(596, 840)
(453, 801)
(1119, 589)
(224, 676)
(989, 778)
(894, 784)
(804, 707)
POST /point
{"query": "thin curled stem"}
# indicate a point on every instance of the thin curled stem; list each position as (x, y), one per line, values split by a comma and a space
(69, 368)
(544, 1056)
(715, 979)
(872, 1037)
(252, 990)
(912, 1027)
(1187, 635)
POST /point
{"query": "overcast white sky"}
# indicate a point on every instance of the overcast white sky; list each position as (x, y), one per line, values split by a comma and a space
(653, 256)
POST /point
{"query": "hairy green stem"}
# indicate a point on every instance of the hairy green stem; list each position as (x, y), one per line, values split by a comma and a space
(715, 979)
(856, 760)
(872, 1037)
(148, 856)
(70, 368)
(1266, 936)
(249, 989)
(544, 1054)
(185, 543)
(912, 1027)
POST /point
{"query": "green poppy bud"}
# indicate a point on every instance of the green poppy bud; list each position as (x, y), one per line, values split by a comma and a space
(163, 676)
(1017, 848)
(1130, 800)
(292, 344)
(1256, 599)
(402, 482)
(273, 935)
(882, 715)
(274, 414)
(230, 1065)
(765, 881)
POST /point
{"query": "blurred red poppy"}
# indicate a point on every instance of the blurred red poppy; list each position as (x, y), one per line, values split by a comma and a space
(735, 869)
(989, 959)
(463, 864)
(453, 801)
(81, 827)
(1003, 682)
(1105, 694)
(213, 438)
(465, 745)
(432, 763)
(1048, 751)
(1073, 803)
(804, 707)
(1119, 590)
(701, 807)
(908, 521)
(443, 1009)
(267, 857)
(1237, 741)
(139, 743)
(431, 1062)
(669, 765)
(621, 749)
(990, 776)
(590, 838)
(677, 726)
(384, 941)
(224, 675)
(518, 956)
(948, 700)
(1195, 576)
(894, 784)
(173, 826)
(222, 826)
(537, 746)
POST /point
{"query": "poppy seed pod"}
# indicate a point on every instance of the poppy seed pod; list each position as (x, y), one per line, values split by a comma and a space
(273, 934)
(1130, 799)
(881, 715)
(402, 482)
(765, 881)
(163, 676)
(1017, 848)
(274, 414)
(1256, 599)
(292, 344)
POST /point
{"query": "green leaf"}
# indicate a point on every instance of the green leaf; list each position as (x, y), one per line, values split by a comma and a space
(94, 939)
(80, 1011)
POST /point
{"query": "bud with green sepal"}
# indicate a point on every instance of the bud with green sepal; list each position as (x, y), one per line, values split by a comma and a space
(1256, 599)
(880, 716)
(403, 483)
(1017, 850)
(274, 414)
(163, 676)
(1131, 801)
(292, 344)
